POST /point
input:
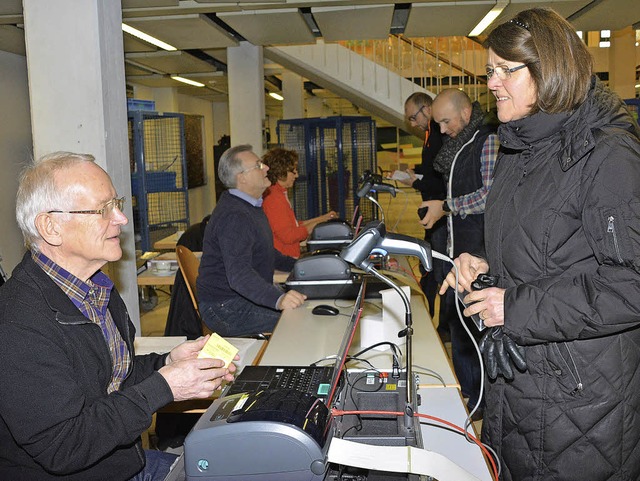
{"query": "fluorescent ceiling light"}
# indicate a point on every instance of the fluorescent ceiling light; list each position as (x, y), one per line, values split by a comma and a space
(276, 96)
(147, 38)
(489, 18)
(604, 44)
(187, 81)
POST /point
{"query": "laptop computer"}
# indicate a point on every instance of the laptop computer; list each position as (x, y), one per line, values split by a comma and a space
(319, 381)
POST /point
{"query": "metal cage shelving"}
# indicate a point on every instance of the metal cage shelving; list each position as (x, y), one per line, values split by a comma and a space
(158, 176)
(334, 152)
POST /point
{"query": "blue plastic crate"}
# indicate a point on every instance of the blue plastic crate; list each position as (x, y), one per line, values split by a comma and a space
(137, 104)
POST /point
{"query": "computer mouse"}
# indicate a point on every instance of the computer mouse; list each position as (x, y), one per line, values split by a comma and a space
(325, 310)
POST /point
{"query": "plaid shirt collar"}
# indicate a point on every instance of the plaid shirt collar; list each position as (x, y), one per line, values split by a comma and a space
(98, 288)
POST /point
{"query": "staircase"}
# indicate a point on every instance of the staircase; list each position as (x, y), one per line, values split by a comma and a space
(350, 75)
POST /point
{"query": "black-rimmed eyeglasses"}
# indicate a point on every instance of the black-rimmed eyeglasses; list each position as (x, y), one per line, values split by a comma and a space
(106, 211)
(412, 118)
(503, 72)
(259, 165)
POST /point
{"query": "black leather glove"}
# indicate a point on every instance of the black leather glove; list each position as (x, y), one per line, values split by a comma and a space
(499, 352)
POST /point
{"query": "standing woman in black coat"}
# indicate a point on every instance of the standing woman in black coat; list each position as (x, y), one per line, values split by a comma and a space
(562, 235)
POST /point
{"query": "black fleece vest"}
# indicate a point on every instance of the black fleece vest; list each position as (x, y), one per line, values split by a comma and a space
(469, 232)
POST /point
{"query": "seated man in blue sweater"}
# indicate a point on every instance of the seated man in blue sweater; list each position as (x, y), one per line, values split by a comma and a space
(236, 294)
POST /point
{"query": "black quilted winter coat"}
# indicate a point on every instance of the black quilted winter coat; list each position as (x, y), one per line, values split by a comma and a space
(563, 234)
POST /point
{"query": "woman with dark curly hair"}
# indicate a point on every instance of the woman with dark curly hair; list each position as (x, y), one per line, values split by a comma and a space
(562, 236)
(288, 232)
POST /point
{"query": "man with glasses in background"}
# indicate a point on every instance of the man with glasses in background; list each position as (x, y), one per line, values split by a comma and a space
(75, 397)
(236, 294)
(417, 112)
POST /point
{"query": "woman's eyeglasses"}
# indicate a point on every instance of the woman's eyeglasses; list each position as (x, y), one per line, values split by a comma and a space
(502, 71)
(106, 212)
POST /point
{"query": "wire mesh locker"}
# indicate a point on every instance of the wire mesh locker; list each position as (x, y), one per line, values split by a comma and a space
(158, 176)
(333, 153)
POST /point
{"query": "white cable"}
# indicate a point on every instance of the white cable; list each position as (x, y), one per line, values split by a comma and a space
(468, 421)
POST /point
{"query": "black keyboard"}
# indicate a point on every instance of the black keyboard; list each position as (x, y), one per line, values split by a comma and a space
(314, 380)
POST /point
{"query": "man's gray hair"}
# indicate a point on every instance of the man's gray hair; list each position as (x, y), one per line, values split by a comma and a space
(229, 165)
(38, 192)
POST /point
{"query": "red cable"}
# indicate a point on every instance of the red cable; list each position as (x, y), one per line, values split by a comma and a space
(338, 412)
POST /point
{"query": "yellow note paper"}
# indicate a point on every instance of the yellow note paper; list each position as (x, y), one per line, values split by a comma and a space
(218, 348)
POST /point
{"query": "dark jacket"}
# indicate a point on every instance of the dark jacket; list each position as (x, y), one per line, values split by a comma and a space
(238, 257)
(58, 422)
(432, 185)
(563, 235)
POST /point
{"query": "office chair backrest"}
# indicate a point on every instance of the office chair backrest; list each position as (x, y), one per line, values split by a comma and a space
(189, 264)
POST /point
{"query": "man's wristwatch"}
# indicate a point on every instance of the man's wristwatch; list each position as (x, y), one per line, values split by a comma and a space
(445, 208)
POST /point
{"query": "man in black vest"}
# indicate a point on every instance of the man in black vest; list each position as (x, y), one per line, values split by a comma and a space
(466, 159)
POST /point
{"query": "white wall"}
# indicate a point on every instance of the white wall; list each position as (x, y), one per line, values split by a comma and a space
(15, 148)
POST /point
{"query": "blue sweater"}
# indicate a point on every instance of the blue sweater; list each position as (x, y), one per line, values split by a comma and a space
(238, 257)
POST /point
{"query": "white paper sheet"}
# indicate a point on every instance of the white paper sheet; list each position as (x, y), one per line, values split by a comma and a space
(397, 459)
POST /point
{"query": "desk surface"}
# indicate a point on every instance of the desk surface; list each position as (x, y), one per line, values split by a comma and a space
(149, 278)
(167, 243)
(301, 338)
(447, 404)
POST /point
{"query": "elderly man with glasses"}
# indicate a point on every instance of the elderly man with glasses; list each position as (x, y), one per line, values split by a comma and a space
(75, 396)
(236, 294)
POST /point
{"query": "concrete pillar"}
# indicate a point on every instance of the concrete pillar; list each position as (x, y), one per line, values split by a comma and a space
(622, 67)
(75, 60)
(245, 72)
(293, 93)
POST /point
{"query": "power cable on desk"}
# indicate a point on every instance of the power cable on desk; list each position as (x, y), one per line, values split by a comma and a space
(396, 354)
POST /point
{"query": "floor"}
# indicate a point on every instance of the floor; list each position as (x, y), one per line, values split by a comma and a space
(152, 323)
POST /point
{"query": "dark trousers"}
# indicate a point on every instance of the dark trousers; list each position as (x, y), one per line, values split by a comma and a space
(238, 317)
(464, 355)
